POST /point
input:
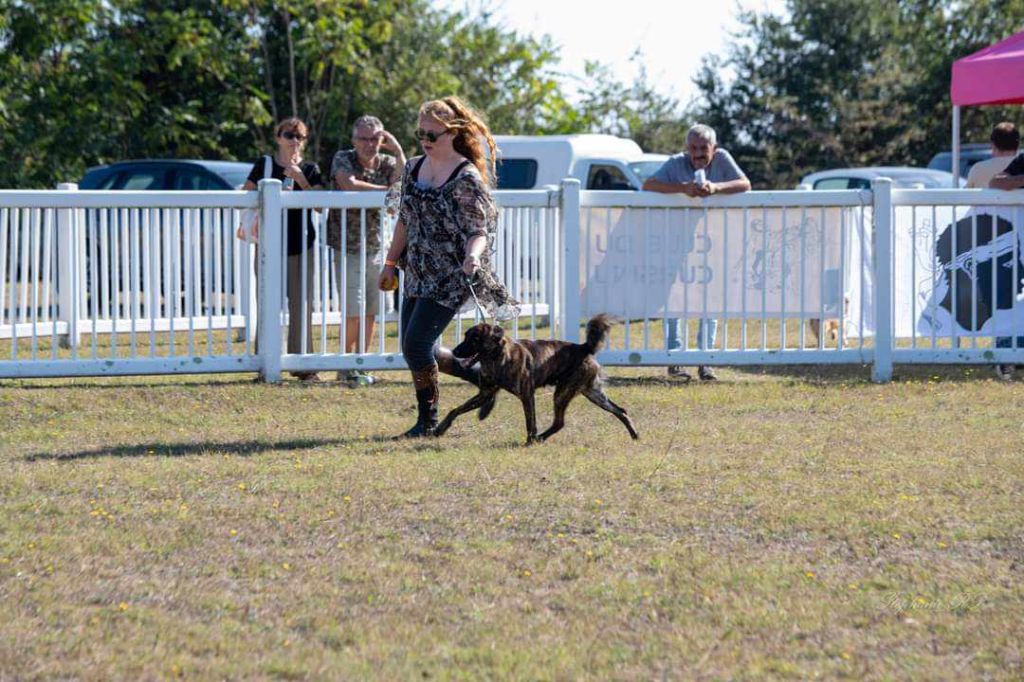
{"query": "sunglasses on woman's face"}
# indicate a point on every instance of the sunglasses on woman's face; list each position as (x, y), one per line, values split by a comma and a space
(430, 135)
(294, 136)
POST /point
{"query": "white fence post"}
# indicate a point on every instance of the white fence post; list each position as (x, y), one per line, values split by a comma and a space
(249, 290)
(881, 370)
(570, 271)
(268, 321)
(68, 293)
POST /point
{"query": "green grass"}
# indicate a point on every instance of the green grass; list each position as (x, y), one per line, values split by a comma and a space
(786, 524)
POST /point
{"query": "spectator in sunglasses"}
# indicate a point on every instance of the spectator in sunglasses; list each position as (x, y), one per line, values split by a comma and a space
(444, 237)
(363, 168)
(297, 175)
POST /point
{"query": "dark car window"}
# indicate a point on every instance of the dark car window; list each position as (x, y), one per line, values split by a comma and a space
(101, 178)
(606, 177)
(141, 179)
(190, 179)
(109, 181)
(235, 179)
(517, 173)
(831, 183)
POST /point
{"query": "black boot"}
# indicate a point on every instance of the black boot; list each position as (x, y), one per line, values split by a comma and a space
(449, 364)
(425, 382)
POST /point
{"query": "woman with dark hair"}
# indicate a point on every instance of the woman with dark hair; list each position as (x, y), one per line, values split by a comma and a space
(444, 237)
(297, 175)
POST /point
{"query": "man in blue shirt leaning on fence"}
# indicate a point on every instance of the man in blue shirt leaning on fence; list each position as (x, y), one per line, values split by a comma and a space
(701, 171)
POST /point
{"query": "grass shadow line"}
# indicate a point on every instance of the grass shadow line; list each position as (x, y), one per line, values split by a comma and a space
(240, 448)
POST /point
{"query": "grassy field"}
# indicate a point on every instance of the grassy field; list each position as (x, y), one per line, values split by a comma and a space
(788, 524)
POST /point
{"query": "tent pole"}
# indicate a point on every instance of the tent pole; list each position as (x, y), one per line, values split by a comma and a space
(956, 146)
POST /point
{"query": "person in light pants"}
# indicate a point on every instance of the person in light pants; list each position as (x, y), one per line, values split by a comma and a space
(702, 170)
(364, 168)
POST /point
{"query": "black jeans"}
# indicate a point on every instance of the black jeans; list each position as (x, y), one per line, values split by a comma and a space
(423, 320)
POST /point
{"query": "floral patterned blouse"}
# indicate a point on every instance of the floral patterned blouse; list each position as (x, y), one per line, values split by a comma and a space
(439, 221)
(348, 161)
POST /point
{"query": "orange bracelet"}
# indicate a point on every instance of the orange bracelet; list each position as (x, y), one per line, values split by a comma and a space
(392, 263)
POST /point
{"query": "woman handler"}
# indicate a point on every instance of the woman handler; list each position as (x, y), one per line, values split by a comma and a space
(444, 236)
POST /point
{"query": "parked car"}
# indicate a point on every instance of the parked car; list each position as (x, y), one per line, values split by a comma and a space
(860, 178)
(599, 162)
(163, 174)
(970, 154)
(167, 174)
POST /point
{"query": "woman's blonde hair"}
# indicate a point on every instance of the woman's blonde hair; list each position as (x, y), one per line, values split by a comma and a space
(467, 128)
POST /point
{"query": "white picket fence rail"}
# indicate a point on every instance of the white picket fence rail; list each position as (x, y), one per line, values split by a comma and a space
(114, 283)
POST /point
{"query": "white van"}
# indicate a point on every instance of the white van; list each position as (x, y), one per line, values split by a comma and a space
(599, 162)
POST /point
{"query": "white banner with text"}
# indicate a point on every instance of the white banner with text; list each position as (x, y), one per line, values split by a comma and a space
(721, 263)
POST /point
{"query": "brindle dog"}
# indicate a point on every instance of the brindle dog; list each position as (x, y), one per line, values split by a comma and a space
(521, 367)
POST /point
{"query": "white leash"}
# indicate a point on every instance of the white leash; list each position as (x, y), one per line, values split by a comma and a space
(472, 292)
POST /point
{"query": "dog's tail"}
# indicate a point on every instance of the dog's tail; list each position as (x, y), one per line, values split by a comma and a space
(597, 332)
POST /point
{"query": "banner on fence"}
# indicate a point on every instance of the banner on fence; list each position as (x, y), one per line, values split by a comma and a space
(959, 271)
(716, 263)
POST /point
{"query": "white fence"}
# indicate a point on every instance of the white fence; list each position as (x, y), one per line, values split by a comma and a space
(107, 283)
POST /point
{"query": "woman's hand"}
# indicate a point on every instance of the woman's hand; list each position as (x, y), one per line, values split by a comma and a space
(295, 173)
(388, 280)
(471, 265)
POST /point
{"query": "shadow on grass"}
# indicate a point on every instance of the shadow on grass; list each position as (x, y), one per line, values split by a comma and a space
(123, 382)
(661, 381)
(861, 374)
(327, 381)
(374, 445)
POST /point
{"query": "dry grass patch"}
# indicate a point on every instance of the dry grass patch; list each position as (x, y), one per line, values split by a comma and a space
(780, 524)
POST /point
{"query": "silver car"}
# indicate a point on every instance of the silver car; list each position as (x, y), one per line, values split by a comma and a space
(904, 177)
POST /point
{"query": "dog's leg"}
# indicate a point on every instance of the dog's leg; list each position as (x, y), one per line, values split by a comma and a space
(815, 324)
(563, 396)
(482, 398)
(595, 394)
(530, 412)
(449, 364)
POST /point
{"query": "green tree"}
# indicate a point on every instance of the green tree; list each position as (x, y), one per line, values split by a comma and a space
(848, 84)
(91, 81)
(657, 122)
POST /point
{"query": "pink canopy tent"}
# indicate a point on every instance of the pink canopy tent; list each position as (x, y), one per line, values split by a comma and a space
(994, 75)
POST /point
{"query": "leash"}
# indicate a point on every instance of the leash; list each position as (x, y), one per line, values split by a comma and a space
(468, 279)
